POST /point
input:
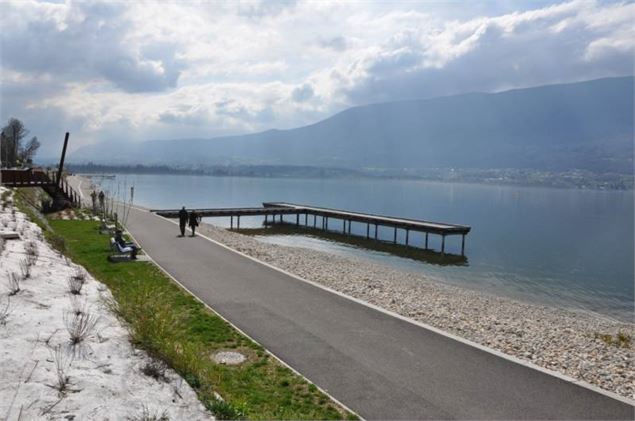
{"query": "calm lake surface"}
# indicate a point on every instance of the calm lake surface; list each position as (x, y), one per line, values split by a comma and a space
(566, 248)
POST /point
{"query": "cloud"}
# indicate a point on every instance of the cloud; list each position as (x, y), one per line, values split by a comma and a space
(302, 93)
(337, 43)
(568, 42)
(84, 41)
(146, 70)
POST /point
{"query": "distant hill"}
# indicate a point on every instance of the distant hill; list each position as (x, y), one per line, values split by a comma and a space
(586, 125)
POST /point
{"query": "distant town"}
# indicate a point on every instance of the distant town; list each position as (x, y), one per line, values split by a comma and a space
(579, 179)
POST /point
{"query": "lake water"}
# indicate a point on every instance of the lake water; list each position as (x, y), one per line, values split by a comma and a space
(568, 248)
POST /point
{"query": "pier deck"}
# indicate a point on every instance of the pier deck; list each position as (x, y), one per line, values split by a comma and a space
(279, 209)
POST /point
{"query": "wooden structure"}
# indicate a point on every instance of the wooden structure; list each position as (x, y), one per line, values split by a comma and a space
(323, 215)
(52, 183)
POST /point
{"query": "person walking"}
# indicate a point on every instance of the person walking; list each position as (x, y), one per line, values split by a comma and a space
(93, 196)
(182, 220)
(194, 221)
(102, 198)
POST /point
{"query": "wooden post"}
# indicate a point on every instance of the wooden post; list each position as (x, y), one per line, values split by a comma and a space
(61, 168)
(395, 237)
(326, 225)
(306, 219)
(238, 222)
(426, 241)
(231, 222)
(375, 231)
(343, 226)
(463, 245)
(349, 226)
(281, 218)
(443, 244)
(407, 235)
(297, 218)
(266, 219)
(367, 230)
(314, 220)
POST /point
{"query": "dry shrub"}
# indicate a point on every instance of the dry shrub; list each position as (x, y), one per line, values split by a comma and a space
(80, 326)
(14, 283)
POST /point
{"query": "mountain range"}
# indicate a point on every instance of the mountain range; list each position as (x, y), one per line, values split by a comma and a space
(586, 125)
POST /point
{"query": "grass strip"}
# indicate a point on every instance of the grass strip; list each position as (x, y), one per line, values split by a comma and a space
(174, 327)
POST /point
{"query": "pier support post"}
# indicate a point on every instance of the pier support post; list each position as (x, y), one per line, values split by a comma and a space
(231, 222)
(395, 237)
(407, 235)
(443, 244)
(314, 220)
(375, 231)
(306, 219)
(349, 226)
(297, 219)
(281, 218)
(343, 226)
(238, 222)
(426, 241)
(266, 220)
(367, 230)
(463, 245)
(326, 224)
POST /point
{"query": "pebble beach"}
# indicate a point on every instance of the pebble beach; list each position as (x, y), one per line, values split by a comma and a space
(581, 345)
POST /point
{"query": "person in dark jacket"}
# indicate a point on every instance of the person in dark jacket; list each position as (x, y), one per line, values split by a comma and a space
(182, 220)
(194, 220)
(123, 244)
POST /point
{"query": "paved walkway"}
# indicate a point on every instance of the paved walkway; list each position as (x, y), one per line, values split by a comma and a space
(381, 366)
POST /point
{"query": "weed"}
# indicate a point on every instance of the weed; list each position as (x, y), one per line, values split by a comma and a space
(4, 311)
(14, 283)
(75, 285)
(63, 362)
(223, 410)
(25, 269)
(155, 369)
(78, 306)
(79, 326)
(58, 243)
(621, 340)
(148, 415)
(32, 252)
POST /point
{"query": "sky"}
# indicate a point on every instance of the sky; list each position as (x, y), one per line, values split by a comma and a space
(144, 70)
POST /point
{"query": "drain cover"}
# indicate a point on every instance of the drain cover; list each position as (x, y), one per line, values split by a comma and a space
(229, 358)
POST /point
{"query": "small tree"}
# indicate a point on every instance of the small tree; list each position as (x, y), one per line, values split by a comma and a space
(12, 150)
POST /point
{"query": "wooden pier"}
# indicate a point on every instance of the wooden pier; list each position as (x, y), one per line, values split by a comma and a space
(322, 216)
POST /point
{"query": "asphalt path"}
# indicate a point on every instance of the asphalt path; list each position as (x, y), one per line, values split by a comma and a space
(379, 365)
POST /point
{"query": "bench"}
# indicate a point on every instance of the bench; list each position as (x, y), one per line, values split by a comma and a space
(121, 254)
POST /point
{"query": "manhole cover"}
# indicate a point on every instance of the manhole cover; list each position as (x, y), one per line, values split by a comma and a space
(229, 358)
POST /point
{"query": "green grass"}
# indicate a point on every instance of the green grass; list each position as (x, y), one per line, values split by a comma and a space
(174, 327)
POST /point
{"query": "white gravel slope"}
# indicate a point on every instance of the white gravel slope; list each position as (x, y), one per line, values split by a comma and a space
(104, 371)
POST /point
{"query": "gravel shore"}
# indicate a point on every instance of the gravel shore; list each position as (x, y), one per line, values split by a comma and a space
(574, 343)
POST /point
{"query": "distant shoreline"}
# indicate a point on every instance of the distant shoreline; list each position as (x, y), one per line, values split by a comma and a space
(575, 179)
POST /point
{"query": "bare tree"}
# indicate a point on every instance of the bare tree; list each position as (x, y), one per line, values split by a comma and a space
(13, 152)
